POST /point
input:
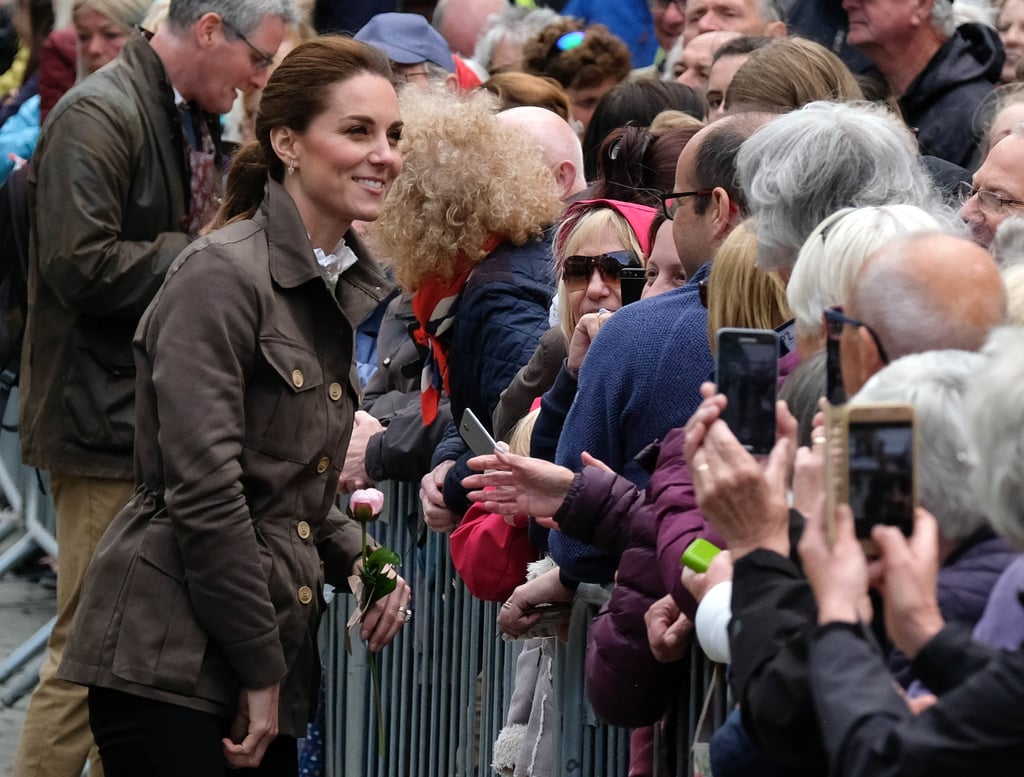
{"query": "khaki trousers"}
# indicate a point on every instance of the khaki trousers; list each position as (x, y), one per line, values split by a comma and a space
(56, 739)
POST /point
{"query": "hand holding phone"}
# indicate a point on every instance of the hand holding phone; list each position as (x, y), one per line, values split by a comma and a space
(475, 434)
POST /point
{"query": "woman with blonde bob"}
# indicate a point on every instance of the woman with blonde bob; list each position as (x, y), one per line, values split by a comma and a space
(787, 74)
(465, 226)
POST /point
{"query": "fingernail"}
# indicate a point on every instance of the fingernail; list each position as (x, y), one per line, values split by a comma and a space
(374, 647)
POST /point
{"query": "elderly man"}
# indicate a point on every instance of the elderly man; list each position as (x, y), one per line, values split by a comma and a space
(124, 178)
(747, 17)
(925, 312)
(998, 190)
(698, 56)
(418, 53)
(939, 73)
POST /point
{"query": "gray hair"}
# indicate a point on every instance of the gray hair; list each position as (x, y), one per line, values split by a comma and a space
(942, 17)
(127, 13)
(831, 257)
(771, 11)
(1013, 282)
(514, 23)
(241, 16)
(935, 383)
(1008, 244)
(995, 417)
(803, 166)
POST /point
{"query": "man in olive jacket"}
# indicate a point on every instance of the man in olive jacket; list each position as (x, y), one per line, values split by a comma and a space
(124, 177)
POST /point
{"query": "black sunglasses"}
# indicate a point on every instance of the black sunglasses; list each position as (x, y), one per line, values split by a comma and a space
(576, 270)
(836, 319)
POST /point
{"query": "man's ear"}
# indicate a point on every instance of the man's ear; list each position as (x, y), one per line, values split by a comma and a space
(870, 359)
(205, 29)
(286, 144)
(776, 30)
(565, 177)
(724, 214)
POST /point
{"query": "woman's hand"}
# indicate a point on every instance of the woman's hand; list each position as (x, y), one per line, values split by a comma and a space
(668, 630)
(253, 728)
(838, 574)
(582, 336)
(353, 471)
(719, 570)
(385, 618)
(745, 501)
(518, 485)
(436, 514)
(543, 589)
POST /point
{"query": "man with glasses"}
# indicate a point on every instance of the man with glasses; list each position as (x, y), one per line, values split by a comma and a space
(418, 53)
(125, 175)
(998, 188)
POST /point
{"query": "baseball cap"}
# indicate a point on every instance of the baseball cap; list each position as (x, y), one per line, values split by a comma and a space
(407, 38)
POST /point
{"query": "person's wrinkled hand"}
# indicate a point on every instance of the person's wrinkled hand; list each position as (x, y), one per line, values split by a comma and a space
(253, 728)
(514, 617)
(582, 336)
(668, 630)
(837, 574)
(906, 573)
(518, 485)
(745, 501)
(353, 472)
(719, 570)
(385, 618)
(436, 514)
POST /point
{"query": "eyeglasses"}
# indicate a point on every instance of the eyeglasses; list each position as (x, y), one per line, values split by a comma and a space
(987, 200)
(576, 270)
(835, 320)
(263, 60)
(670, 202)
(404, 77)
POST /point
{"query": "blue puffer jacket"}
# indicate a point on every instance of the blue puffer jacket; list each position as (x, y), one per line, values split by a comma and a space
(502, 314)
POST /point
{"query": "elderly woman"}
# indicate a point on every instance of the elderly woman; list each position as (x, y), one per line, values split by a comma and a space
(465, 227)
(196, 630)
(976, 720)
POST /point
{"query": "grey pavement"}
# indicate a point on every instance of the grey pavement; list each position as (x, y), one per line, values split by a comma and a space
(24, 607)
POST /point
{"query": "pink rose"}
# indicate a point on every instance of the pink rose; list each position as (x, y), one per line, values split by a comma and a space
(365, 504)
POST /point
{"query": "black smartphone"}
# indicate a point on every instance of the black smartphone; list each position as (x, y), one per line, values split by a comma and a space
(631, 283)
(747, 373)
(880, 467)
(475, 434)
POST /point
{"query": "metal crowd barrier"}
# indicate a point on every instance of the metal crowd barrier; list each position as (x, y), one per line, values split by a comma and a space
(448, 678)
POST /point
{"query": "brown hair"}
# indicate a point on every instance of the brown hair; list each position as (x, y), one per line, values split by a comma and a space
(515, 89)
(296, 93)
(599, 57)
(636, 164)
(789, 73)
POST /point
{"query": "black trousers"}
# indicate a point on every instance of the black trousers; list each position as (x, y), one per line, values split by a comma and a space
(138, 736)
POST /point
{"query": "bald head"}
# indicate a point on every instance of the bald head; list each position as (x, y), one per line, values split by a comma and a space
(927, 292)
(560, 146)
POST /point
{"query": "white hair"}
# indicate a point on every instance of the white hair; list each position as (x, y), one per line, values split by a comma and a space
(833, 254)
(514, 23)
(942, 17)
(1008, 244)
(995, 418)
(972, 12)
(1013, 282)
(934, 383)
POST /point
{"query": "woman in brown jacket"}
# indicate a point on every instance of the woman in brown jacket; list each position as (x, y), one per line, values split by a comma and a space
(196, 632)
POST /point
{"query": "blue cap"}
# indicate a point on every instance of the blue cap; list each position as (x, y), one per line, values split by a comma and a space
(408, 39)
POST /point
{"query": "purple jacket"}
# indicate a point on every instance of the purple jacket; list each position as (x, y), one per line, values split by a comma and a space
(625, 683)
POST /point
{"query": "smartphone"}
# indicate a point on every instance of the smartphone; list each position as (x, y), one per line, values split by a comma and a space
(631, 283)
(835, 393)
(747, 373)
(698, 555)
(872, 467)
(475, 434)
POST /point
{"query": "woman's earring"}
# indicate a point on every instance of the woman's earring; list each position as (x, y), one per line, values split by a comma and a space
(291, 168)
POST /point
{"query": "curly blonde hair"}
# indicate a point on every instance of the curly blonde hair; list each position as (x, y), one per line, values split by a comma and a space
(466, 176)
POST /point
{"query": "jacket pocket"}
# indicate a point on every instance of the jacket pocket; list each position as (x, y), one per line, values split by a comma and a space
(99, 395)
(160, 642)
(286, 406)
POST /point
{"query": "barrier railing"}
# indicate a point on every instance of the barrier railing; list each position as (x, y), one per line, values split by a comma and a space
(448, 678)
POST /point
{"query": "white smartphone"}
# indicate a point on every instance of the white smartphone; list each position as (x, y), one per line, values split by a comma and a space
(475, 434)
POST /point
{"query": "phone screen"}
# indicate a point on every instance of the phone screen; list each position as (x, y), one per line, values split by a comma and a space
(881, 475)
(747, 374)
(631, 284)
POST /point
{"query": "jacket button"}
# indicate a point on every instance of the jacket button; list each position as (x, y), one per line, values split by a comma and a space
(322, 465)
(305, 594)
(334, 391)
(297, 378)
(302, 529)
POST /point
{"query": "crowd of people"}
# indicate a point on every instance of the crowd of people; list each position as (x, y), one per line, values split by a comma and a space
(268, 266)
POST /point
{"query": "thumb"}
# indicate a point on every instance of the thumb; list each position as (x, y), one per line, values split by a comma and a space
(925, 539)
(777, 468)
(591, 461)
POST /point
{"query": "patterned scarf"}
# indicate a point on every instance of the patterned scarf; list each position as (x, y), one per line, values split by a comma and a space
(435, 305)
